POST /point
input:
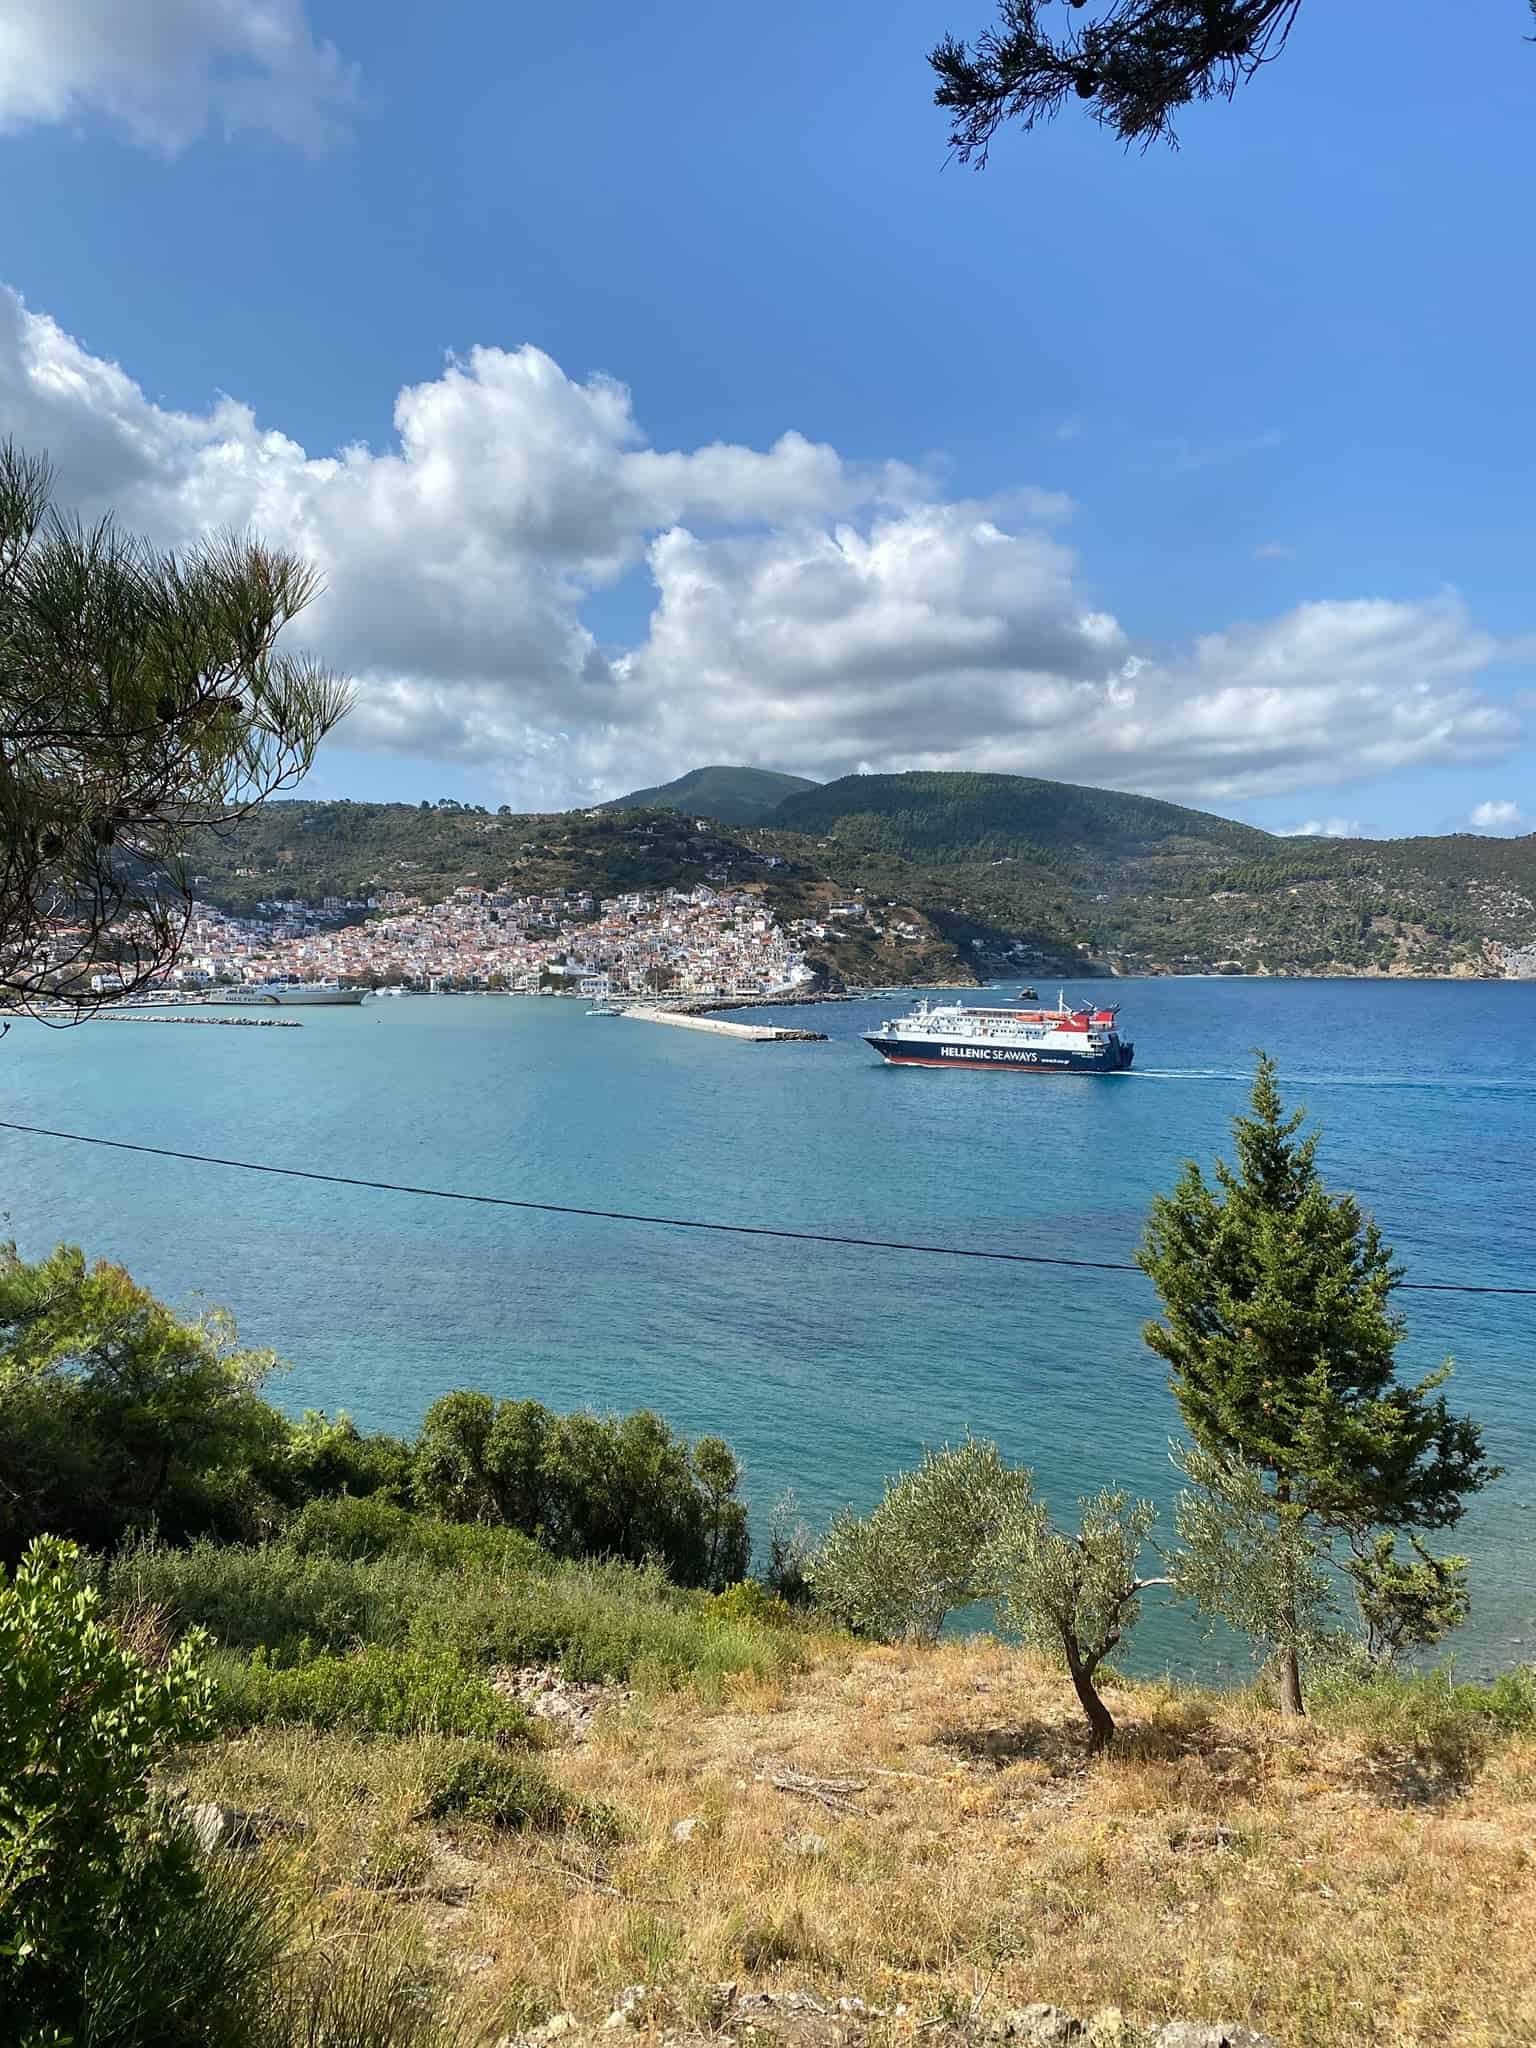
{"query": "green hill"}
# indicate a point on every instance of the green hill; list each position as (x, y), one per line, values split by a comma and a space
(1000, 872)
(980, 817)
(296, 849)
(734, 796)
(1052, 873)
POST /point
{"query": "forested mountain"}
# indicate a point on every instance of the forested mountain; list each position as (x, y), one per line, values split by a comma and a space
(1044, 875)
(986, 817)
(1137, 883)
(734, 796)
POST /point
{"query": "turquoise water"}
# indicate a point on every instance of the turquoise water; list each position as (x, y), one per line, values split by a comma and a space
(826, 1368)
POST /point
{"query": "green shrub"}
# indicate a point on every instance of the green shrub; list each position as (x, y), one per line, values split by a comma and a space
(750, 1604)
(114, 1412)
(597, 1622)
(487, 1788)
(1508, 1701)
(186, 1963)
(394, 1861)
(1427, 1717)
(383, 1690)
(373, 1527)
(114, 1932)
(268, 1596)
(117, 1417)
(323, 1457)
(587, 1485)
(357, 2001)
(602, 1624)
(83, 1723)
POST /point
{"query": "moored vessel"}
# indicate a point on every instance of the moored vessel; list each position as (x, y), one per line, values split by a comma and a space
(286, 994)
(1071, 1039)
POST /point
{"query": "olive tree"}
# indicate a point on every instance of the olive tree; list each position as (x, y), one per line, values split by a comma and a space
(141, 697)
(1075, 1594)
(899, 1571)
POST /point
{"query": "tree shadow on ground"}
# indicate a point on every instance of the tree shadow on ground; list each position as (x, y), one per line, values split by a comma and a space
(1423, 1775)
(1061, 1745)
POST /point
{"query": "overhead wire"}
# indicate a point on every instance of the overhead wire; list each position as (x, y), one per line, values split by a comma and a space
(698, 1223)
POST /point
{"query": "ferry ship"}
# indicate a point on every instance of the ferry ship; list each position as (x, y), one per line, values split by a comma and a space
(286, 994)
(1066, 1040)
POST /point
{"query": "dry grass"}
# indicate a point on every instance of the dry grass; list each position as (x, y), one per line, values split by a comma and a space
(1216, 1867)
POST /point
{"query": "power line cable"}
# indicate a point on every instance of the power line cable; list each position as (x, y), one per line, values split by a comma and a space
(871, 1244)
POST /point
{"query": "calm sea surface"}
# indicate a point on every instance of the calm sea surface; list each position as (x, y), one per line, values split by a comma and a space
(826, 1368)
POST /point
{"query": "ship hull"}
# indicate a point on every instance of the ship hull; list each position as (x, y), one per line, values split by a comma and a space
(299, 996)
(1018, 1059)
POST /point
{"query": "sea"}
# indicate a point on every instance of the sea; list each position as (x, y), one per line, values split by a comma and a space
(826, 1366)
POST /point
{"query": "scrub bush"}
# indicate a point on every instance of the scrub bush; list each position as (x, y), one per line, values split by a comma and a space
(385, 1691)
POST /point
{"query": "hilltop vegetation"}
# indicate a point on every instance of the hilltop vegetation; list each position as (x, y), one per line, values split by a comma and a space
(1139, 884)
(991, 868)
(983, 817)
(733, 796)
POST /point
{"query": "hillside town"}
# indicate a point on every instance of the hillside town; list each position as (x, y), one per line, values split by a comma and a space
(702, 941)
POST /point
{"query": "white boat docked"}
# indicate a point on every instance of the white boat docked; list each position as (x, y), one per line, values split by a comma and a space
(286, 995)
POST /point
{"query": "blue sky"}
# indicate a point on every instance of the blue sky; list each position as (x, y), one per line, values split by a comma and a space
(1206, 472)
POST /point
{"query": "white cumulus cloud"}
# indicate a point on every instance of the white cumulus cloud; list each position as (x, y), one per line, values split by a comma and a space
(808, 612)
(167, 70)
(1327, 828)
(1498, 814)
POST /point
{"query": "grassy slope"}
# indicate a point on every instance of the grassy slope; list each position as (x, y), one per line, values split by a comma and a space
(1322, 1885)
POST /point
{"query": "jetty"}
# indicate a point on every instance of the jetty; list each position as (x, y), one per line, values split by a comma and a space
(753, 1034)
(126, 1016)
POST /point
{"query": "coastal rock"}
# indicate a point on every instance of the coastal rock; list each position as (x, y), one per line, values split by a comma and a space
(214, 1826)
(1039, 2026)
(1204, 2034)
(549, 1696)
(630, 2010)
(554, 2029)
(784, 2001)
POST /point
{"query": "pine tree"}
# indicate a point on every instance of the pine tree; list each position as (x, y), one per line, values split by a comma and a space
(142, 697)
(1281, 1339)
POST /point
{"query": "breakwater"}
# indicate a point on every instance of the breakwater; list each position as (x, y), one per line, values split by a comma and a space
(755, 1034)
(127, 1017)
